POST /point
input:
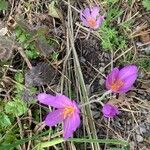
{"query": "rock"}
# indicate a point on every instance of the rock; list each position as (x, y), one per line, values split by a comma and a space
(102, 64)
(96, 115)
(106, 55)
(148, 126)
(142, 129)
(101, 69)
(139, 138)
(82, 59)
(101, 81)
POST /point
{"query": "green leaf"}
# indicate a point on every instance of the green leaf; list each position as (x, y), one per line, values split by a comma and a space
(32, 54)
(18, 32)
(9, 139)
(19, 77)
(22, 38)
(22, 141)
(112, 1)
(50, 143)
(146, 4)
(78, 140)
(53, 11)
(4, 120)
(101, 141)
(16, 107)
(54, 56)
(3, 5)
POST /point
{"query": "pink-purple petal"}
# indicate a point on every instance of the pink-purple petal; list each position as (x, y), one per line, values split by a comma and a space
(112, 77)
(86, 12)
(128, 82)
(45, 98)
(123, 90)
(68, 132)
(54, 117)
(95, 12)
(127, 72)
(63, 100)
(58, 101)
(110, 111)
(75, 121)
(77, 110)
(71, 124)
(99, 21)
(84, 20)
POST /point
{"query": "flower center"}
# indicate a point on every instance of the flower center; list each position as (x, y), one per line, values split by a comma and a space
(115, 86)
(68, 111)
(91, 22)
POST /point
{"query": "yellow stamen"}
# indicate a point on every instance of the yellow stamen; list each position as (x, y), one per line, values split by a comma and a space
(91, 22)
(116, 85)
(68, 111)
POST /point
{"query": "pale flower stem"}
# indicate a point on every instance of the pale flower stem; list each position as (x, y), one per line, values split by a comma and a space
(89, 32)
(97, 100)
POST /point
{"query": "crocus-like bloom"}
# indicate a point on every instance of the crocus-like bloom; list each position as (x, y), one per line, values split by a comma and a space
(121, 81)
(110, 111)
(67, 111)
(91, 18)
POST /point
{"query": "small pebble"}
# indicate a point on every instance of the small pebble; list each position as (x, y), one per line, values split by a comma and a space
(82, 59)
(148, 127)
(102, 64)
(101, 81)
(142, 129)
(97, 115)
(139, 138)
(137, 131)
(101, 69)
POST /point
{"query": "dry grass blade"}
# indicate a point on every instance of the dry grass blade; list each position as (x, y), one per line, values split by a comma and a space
(90, 126)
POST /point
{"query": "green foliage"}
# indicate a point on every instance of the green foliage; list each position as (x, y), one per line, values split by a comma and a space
(54, 56)
(144, 63)
(111, 35)
(112, 1)
(111, 38)
(146, 4)
(33, 54)
(112, 14)
(79, 140)
(16, 107)
(19, 88)
(9, 139)
(19, 77)
(3, 5)
(4, 120)
(11, 142)
(24, 38)
(126, 25)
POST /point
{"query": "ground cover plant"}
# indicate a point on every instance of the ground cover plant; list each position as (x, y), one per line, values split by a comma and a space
(74, 75)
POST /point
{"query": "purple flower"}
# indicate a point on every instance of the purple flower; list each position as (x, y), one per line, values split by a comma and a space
(67, 111)
(109, 111)
(91, 18)
(121, 81)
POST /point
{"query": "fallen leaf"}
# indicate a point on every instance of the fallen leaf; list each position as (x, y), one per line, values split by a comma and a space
(54, 11)
(40, 75)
